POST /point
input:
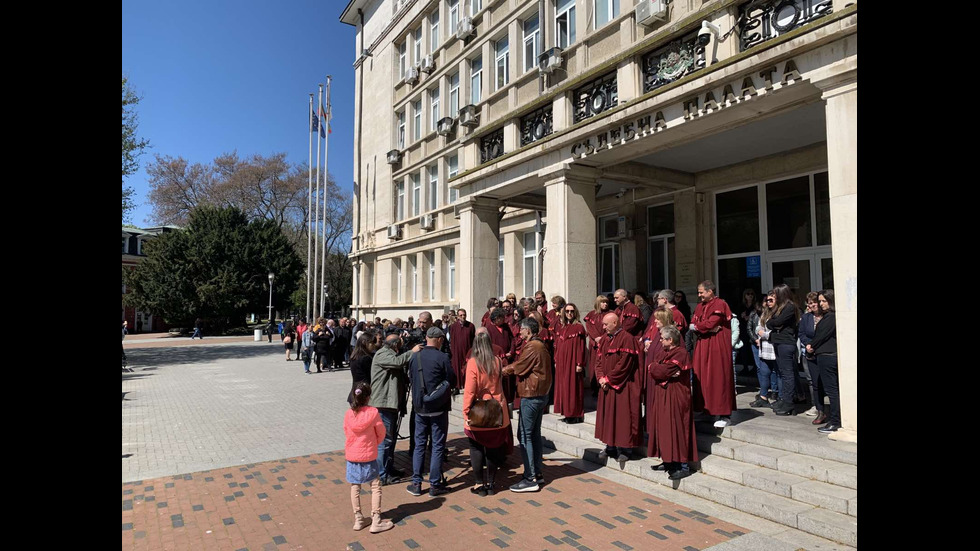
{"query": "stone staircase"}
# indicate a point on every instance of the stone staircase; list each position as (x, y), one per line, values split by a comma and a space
(776, 468)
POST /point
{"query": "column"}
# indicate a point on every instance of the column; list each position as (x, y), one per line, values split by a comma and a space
(476, 263)
(570, 241)
(840, 93)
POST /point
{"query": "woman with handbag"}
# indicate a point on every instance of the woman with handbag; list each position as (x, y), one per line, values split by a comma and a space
(288, 337)
(486, 420)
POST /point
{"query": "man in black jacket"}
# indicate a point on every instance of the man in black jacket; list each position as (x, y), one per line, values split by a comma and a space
(432, 377)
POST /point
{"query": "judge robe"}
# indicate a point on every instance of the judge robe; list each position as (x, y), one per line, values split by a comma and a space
(593, 327)
(502, 337)
(461, 336)
(569, 385)
(670, 423)
(618, 410)
(714, 383)
(679, 320)
(630, 318)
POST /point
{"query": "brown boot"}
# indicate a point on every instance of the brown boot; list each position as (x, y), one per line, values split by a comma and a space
(360, 522)
(379, 525)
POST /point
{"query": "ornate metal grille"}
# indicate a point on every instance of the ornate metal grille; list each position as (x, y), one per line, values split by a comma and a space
(673, 61)
(759, 21)
(492, 145)
(536, 125)
(596, 97)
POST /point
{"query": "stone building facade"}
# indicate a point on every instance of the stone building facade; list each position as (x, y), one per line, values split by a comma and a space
(580, 146)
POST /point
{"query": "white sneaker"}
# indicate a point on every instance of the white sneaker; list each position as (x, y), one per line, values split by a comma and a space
(812, 412)
(721, 423)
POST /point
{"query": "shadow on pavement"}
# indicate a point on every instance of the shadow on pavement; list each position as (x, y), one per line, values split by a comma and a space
(158, 357)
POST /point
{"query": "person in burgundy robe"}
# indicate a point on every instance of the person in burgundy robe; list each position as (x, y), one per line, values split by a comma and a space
(714, 385)
(593, 326)
(555, 316)
(570, 361)
(665, 299)
(618, 411)
(461, 335)
(492, 303)
(629, 315)
(501, 335)
(670, 424)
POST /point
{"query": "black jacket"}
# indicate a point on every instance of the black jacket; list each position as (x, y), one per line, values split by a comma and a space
(825, 337)
(428, 369)
(321, 342)
(783, 326)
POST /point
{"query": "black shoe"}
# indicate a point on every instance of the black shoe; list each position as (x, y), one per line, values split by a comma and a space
(437, 490)
(761, 403)
(539, 478)
(395, 473)
(660, 467)
(480, 490)
(828, 428)
(414, 489)
(608, 452)
(677, 475)
(575, 420)
(564, 419)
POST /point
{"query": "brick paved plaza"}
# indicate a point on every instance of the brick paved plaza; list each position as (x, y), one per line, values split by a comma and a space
(228, 446)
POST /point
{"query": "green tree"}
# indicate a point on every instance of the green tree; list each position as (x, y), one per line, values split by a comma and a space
(216, 269)
(132, 145)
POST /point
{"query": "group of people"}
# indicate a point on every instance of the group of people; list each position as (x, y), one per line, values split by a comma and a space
(326, 345)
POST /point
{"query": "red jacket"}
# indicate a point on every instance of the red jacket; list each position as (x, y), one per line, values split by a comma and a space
(364, 431)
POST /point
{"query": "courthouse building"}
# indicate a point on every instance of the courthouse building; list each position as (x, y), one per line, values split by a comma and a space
(580, 146)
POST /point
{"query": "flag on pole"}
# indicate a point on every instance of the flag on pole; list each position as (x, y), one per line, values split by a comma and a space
(324, 116)
(314, 123)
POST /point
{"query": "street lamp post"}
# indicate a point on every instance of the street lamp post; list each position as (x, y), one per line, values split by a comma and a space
(326, 294)
(272, 278)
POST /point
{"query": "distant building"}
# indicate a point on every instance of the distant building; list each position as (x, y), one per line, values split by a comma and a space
(133, 240)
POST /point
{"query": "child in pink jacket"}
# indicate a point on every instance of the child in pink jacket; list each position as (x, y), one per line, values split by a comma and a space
(364, 431)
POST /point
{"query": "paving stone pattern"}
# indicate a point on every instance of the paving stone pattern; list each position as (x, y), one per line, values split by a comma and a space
(200, 515)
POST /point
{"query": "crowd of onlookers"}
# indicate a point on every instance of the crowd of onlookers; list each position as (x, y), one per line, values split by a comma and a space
(635, 353)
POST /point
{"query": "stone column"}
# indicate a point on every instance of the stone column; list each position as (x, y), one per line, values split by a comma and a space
(476, 263)
(570, 242)
(840, 94)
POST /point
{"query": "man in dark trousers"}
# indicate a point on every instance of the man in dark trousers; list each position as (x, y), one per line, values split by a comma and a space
(432, 377)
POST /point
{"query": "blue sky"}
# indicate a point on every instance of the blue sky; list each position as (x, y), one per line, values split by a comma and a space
(217, 76)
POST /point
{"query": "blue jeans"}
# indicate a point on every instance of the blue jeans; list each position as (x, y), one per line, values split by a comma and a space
(386, 449)
(768, 377)
(437, 426)
(197, 333)
(529, 434)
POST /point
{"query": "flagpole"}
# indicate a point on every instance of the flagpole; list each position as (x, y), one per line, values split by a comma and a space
(316, 241)
(326, 174)
(309, 216)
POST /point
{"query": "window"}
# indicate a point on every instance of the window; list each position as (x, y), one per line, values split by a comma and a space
(139, 246)
(476, 71)
(605, 11)
(402, 61)
(500, 267)
(788, 213)
(434, 108)
(415, 279)
(532, 49)
(502, 62)
(416, 194)
(434, 31)
(475, 6)
(454, 95)
(737, 215)
(417, 125)
(418, 46)
(400, 200)
(565, 23)
(432, 274)
(530, 264)
(453, 16)
(660, 246)
(433, 192)
(401, 129)
(451, 171)
(398, 278)
(451, 252)
(125, 244)
(609, 276)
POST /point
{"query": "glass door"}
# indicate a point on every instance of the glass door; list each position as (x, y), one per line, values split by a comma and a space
(796, 272)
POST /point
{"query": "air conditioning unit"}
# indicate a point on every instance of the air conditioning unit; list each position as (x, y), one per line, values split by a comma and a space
(615, 229)
(649, 12)
(445, 125)
(394, 232)
(428, 64)
(468, 116)
(465, 28)
(411, 75)
(394, 157)
(427, 222)
(549, 60)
